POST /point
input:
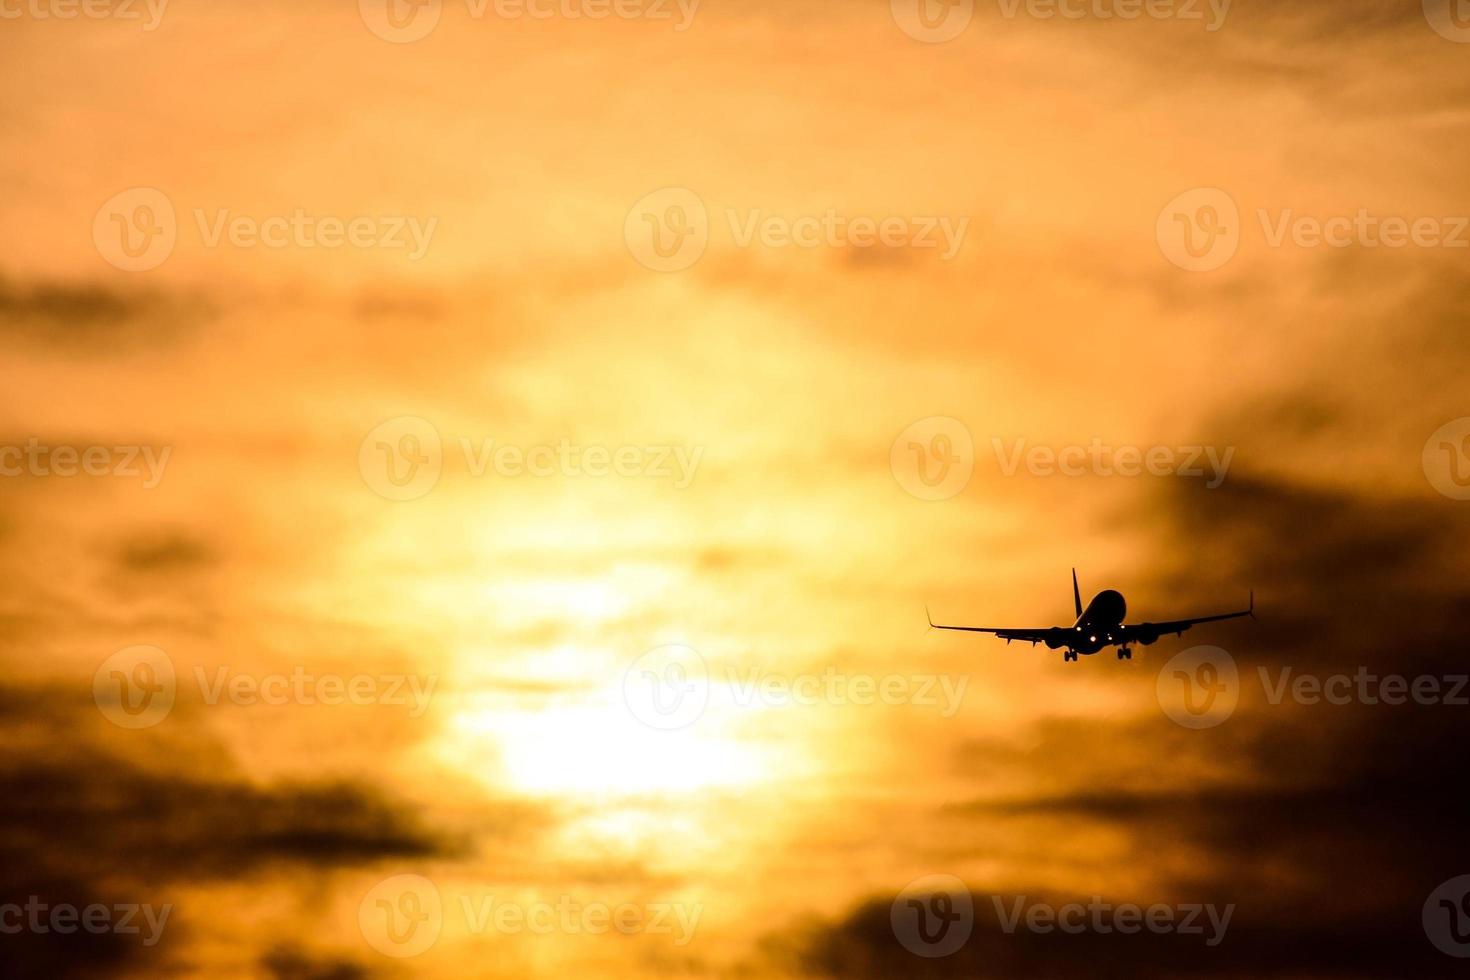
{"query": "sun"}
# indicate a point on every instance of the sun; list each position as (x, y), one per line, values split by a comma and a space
(589, 745)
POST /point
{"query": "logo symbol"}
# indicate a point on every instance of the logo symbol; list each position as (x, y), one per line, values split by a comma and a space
(401, 21)
(933, 915)
(1447, 459)
(135, 687)
(667, 688)
(401, 916)
(1199, 230)
(402, 458)
(933, 21)
(136, 230)
(1446, 917)
(668, 230)
(934, 458)
(1199, 687)
(1449, 18)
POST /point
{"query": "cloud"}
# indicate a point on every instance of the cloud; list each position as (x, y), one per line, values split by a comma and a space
(863, 944)
(1342, 578)
(294, 963)
(92, 319)
(81, 822)
(164, 552)
(1326, 825)
(171, 826)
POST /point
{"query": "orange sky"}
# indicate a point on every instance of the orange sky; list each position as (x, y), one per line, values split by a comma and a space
(765, 520)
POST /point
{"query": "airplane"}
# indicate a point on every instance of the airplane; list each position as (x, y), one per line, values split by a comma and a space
(1098, 626)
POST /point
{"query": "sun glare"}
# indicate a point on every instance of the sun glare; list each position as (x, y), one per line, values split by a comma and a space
(594, 747)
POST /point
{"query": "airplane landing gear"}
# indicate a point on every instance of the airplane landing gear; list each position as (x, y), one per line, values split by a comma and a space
(1125, 653)
(1069, 656)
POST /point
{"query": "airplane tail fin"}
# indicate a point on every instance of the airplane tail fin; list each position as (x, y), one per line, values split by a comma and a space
(1076, 594)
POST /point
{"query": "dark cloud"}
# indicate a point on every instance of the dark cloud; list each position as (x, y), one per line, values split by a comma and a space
(1326, 825)
(1342, 578)
(167, 825)
(863, 944)
(165, 552)
(1317, 800)
(142, 826)
(81, 953)
(1331, 55)
(93, 319)
(91, 814)
(294, 963)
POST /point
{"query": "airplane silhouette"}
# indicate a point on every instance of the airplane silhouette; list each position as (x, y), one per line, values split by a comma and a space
(1099, 625)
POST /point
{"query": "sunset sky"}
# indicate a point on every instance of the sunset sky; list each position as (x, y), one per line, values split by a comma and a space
(463, 384)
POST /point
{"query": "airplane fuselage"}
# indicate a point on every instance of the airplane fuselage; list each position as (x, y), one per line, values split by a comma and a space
(1098, 625)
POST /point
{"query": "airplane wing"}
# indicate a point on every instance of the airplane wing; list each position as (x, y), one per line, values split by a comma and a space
(1135, 631)
(1032, 636)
